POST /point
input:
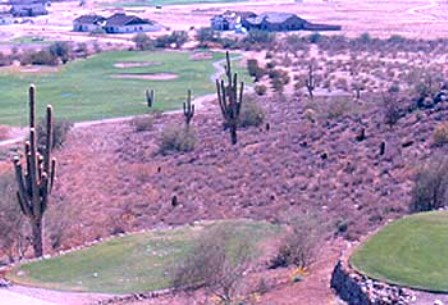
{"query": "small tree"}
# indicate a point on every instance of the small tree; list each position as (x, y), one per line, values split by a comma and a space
(230, 100)
(143, 42)
(36, 182)
(430, 191)
(217, 263)
(300, 245)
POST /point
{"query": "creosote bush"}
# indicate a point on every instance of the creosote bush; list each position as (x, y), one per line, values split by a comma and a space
(252, 114)
(300, 246)
(142, 123)
(177, 139)
(220, 258)
(430, 190)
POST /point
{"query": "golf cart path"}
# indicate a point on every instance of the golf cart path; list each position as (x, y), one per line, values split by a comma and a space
(21, 295)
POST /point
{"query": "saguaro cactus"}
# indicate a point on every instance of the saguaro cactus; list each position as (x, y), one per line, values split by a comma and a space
(36, 182)
(230, 100)
(188, 110)
(150, 98)
(310, 83)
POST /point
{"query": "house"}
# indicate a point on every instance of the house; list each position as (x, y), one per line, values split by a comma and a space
(276, 22)
(122, 23)
(6, 18)
(230, 20)
(28, 8)
(88, 23)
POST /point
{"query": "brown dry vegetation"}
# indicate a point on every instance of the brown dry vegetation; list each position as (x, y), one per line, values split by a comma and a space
(114, 180)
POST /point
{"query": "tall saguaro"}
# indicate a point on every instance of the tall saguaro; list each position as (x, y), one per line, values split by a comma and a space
(36, 181)
(230, 99)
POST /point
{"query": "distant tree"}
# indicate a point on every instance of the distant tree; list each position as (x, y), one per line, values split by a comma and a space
(60, 50)
(204, 35)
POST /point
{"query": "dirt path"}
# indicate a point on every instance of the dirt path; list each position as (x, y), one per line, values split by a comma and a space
(12, 298)
(20, 295)
(416, 11)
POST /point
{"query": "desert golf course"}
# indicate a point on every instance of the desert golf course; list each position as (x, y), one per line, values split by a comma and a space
(411, 252)
(133, 263)
(107, 85)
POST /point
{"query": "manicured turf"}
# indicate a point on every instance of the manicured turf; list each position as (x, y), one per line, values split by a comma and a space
(411, 252)
(128, 264)
(86, 90)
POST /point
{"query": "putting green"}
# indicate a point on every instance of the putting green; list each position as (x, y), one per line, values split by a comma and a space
(411, 252)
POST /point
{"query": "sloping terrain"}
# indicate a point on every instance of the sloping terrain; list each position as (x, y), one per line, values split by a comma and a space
(113, 179)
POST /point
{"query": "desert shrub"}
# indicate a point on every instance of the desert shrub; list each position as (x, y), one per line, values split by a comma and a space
(300, 245)
(392, 111)
(12, 234)
(258, 37)
(314, 37)
(176, 39)
(143, 42)
(218, 262)
(260, 89)
(252, 114)
(279, 78)
(58, 220)
(61, 50)
(204, 35)
(430, 191)
(177, 139)
(142, 123)
(338, 107)
(440, 135)
(42, 57)
(61, 128)
(254, 70)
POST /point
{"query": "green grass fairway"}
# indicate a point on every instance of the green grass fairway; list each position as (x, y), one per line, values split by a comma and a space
(167, 2)
(411, 252)
(128, 264)
(87, 89)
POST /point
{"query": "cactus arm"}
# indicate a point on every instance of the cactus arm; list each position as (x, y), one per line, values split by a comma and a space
(22, 194)
(49, 140)
(33, 172)
(52, 173)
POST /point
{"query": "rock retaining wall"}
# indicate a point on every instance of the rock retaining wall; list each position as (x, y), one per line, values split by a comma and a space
(357, 289)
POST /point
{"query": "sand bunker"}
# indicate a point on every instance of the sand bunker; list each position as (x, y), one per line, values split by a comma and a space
(136, 64)
(201, 56)
(148, 76)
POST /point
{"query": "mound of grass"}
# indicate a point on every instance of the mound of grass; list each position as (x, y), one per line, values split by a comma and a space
(88, 89)
(410, 252)
(133, 263)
